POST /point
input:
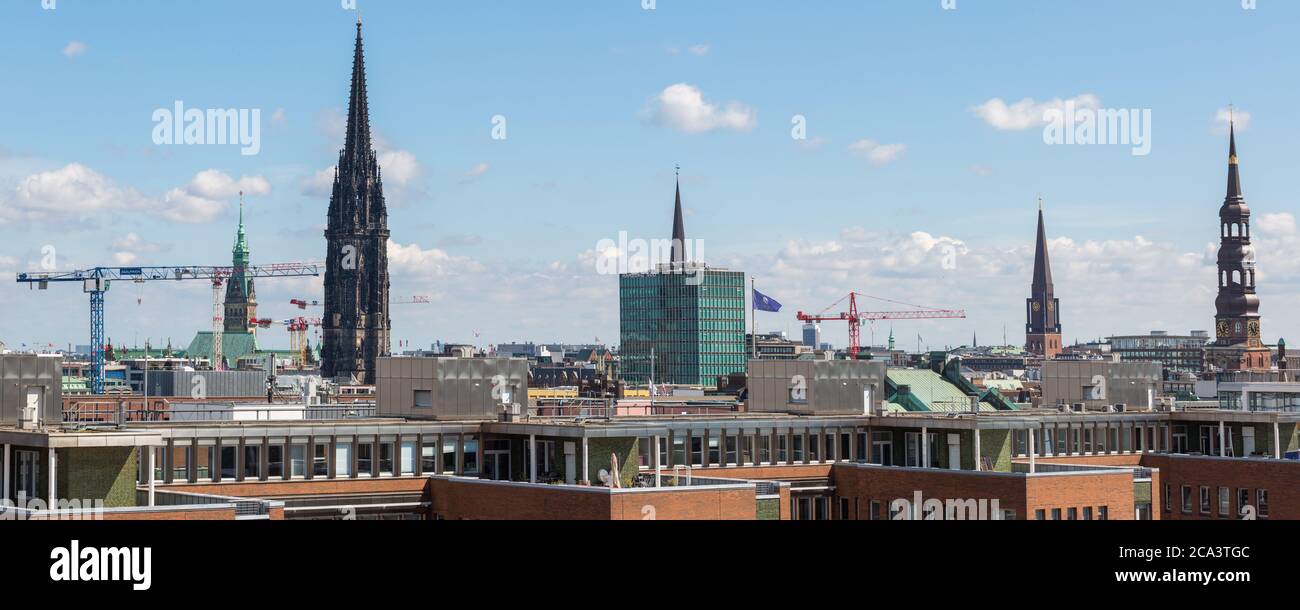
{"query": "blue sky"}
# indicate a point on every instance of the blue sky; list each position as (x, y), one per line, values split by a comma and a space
(502, 233)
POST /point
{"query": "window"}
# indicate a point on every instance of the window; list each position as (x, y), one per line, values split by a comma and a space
(386, 459)
(408, 458)
(805, 509)
(449, 454)
(275, 461)
(1187, 499)
(1073, 514)
(822, 505)
(882, 448)
(1040, 515)
(643, 452)
(844, 509)
(297, 460)
(181, 462)
(471, 455)
(814, 447)
(1205, 500)
(365, 458)
(876, 511)
(429, 459)
(320, 465)
(1243, 500)
(697, 451)
(1225, 502)
(782, 455)
(863, 446)
(731, 449)
(797, 447)
(203, 464)
(1056, 514)
(764, 449)
(1103, 513)
(845, 440)
(424, 399)
(343, 459)
(252, 461)
(1169, 507)
(679, 450)
(228, 458)
(1087, 513)
(1262, 506)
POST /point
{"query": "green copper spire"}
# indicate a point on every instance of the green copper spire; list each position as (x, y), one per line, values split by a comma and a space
(241, 240)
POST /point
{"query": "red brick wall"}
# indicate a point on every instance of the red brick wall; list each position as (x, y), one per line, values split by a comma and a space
(1076, 490)
(685, 505)
(885, 485)
(1280, 477)
(1023, 494)
(456, 500)
(461, 499)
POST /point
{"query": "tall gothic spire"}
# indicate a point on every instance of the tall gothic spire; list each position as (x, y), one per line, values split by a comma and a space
(1042, 264)
(357, 145)
(679, 227)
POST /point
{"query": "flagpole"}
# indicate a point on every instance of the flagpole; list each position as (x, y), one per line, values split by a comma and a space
(753, 330)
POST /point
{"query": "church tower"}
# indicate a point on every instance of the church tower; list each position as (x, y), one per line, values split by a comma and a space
(1237, 344)
(241, 296)
(356, 323)
(1042, 309)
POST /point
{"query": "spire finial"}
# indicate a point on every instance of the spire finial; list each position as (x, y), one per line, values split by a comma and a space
(1040, 203)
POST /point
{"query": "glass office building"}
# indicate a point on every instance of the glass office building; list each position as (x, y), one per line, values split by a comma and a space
(690, 323)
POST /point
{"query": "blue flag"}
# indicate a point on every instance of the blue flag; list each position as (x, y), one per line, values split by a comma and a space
(763, 302)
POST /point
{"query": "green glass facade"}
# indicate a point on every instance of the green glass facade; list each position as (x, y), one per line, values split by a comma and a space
(694, 321)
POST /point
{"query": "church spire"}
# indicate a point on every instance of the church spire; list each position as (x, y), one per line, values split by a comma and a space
(357, 146)
(679, 226)
(1042, 264)
(1234, 177)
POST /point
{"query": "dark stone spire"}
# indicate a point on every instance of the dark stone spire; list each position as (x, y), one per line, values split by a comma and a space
(679, 228)
(356, 323)
(1043, 325)
(1042, 264)
(358, 135)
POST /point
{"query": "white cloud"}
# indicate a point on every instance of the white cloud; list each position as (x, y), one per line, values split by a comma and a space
(398, 167)
(683, 107)
(204, 198)
(125, 258)
(877, 154)
(1224, 116)
(277, 117)
(478, 170)
(700, 50)
(75, 48)
(319, 184)
(1281, 223)
(1027, 113)
(417, 262)
(73, 192)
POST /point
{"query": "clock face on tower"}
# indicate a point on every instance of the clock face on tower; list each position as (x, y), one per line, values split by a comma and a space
(1223, 328)
(1252, 329)
(1038, 306)
(1051, 306)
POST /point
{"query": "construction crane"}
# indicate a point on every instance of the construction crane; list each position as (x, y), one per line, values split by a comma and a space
(416, 300)
(855, 318)
(298, 328)
(95, 282)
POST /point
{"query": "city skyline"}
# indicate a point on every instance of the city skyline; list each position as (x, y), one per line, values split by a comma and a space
(962, 168)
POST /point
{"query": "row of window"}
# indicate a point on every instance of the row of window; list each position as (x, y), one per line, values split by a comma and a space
(207, 461)
(1085, 513)
(1244, 508)
(733, 449)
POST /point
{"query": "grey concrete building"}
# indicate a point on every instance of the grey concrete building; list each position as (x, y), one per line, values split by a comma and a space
(1099, 383)
(815, 387)
(450, 388)
(31, 391)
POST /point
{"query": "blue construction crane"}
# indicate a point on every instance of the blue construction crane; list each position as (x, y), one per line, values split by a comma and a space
(96, 282)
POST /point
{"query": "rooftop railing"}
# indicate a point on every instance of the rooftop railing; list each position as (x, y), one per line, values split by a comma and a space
(116, 414)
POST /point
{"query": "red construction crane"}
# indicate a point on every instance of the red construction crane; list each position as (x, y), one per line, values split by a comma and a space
(855, 318)
(416, 300)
